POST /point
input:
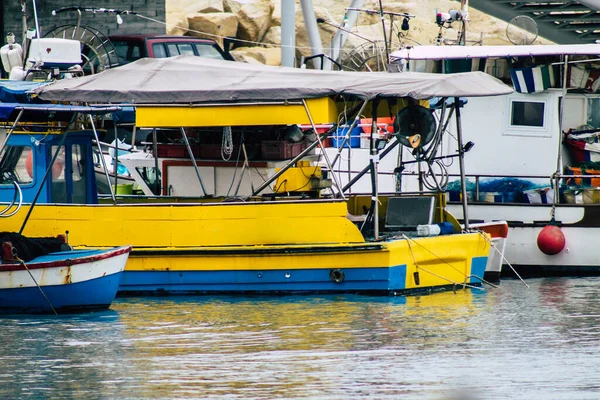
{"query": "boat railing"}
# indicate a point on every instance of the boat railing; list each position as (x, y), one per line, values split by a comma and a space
(510, 188)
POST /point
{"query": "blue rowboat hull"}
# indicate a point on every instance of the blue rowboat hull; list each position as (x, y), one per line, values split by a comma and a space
(68, 281)
(89, 295)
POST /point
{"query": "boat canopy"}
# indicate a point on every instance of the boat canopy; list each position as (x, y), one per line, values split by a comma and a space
(462, 52)
(189, 79)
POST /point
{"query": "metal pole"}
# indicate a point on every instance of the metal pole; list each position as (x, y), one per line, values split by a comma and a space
(368, 167)
(337, 183)
(189, 149)
(338, 40)
(312, 31)
(461, 163)
(102, 160)
(288, 33)
(387, 49)
(286, 167)
(116, 159)
(374, 170)
(157, 178)
(349, 132)
(560, 134)
(39, 191)
(11, 130)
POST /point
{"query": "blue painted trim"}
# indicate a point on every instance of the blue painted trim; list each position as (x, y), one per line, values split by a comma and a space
(93, 294)
(292, 281)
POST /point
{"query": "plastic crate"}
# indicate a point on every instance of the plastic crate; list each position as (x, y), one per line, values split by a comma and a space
(281, 150)
(340, 134)
(594, 182)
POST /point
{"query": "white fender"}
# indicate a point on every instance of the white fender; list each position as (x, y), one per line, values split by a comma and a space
(11, 55)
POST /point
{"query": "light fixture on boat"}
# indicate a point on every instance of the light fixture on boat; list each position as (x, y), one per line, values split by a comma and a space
(414, 126)
(405, 26)
(468, 146)
(380, 144)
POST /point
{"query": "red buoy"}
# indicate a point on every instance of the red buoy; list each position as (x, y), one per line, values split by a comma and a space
(551, 240)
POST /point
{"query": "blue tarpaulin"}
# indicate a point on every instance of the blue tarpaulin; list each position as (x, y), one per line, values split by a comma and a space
(17, 91)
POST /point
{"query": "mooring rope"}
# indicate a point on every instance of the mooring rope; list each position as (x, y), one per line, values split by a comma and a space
(464, 284)
(16, 257)
(503, 258)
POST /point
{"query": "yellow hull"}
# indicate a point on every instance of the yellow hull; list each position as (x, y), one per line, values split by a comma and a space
(270, 246)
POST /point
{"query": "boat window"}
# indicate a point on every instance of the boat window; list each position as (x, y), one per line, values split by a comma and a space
(208, 51)
(159, 50)
(149, 176)
(527, 113)
(17, 165)
(68, 175)
(593, 112)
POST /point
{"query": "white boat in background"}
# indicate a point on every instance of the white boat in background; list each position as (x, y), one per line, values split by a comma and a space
(525, 151)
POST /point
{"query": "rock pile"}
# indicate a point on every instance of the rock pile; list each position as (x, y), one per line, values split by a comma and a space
(257, 24)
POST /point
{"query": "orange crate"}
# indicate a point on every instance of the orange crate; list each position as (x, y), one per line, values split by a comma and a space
(593, 182)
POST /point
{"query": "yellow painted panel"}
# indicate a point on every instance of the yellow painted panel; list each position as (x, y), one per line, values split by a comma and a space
(322, 110)
(192, 225)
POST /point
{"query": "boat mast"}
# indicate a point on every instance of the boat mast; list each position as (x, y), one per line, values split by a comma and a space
(461, 162)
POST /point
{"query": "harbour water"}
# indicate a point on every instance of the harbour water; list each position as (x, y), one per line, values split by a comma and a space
(541, 342)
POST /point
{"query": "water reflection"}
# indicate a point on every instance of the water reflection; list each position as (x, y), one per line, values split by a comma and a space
(333, 347)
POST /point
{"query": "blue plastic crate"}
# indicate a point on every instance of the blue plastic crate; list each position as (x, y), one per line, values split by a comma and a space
(340, 134)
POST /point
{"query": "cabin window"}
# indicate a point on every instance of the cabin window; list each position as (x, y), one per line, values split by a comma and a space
(17, 165)
(150, 176)
(527, 114)
(593, 112)
(68, 175)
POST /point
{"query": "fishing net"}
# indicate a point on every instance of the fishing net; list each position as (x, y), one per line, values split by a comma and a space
(30, 248)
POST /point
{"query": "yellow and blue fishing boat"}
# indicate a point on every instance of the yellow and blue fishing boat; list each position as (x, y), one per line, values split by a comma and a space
(287, 225)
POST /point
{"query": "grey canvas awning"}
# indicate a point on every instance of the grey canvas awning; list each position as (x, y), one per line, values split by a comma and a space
(189, 79)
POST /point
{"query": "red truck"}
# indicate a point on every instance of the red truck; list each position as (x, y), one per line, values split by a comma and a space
(133, 47)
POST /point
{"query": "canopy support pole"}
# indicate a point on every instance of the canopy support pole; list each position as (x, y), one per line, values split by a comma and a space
(12, 129)
(335, 178)
(102, 160)
(461, 163)
(116, 159)
(368, 167)
(39, 191)
(348, 133)
(285, 167)
(158, 177)
(189, 149)
(374, 162)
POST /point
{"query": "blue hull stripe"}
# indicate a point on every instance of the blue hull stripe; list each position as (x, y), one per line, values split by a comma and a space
(293, 280)
(93, 294)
